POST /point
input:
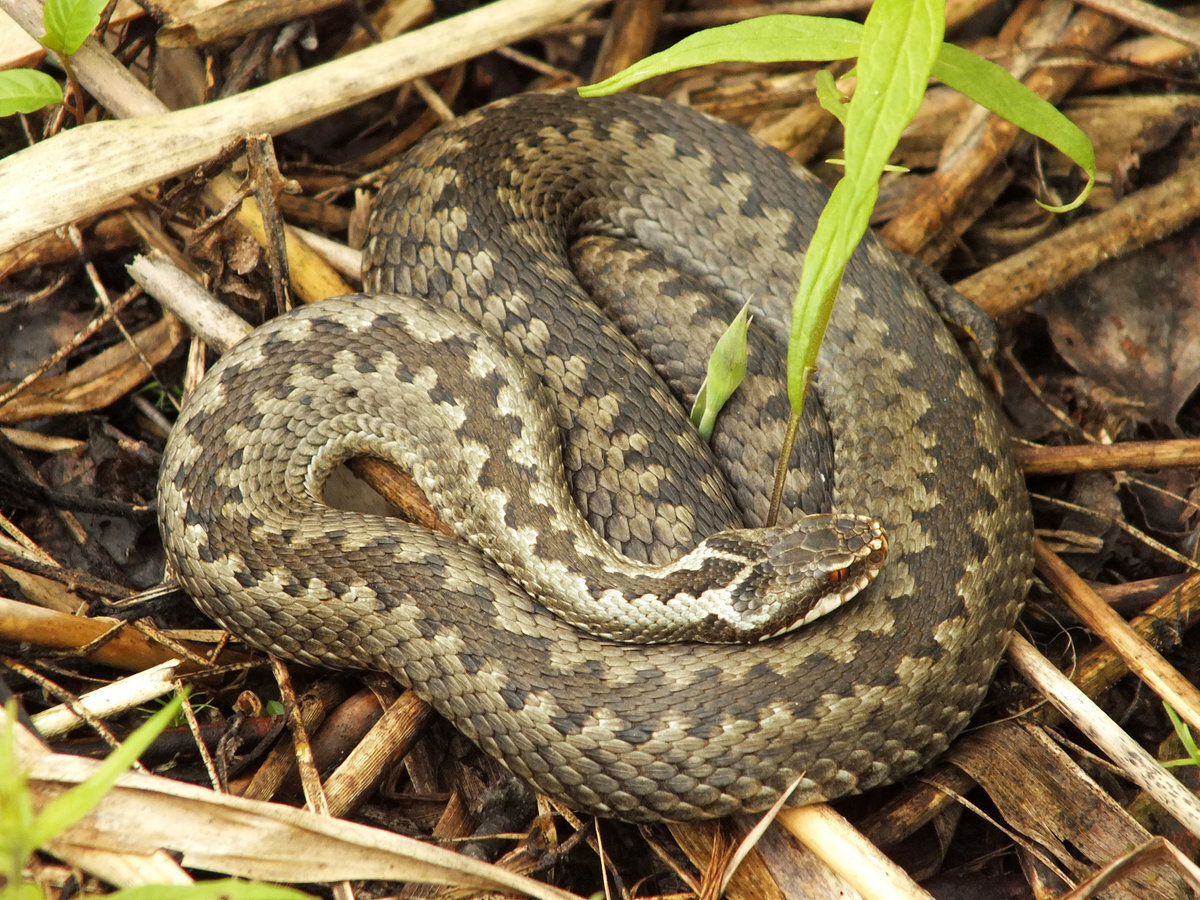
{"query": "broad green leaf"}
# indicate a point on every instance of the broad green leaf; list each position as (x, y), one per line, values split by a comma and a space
(69, 22)
(767, 39)
(726, 369)
(900, 41)
(222, 889)
(991, 86)
(27, 90)
(66, 809)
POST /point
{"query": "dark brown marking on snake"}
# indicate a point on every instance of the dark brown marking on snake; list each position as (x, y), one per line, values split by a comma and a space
(472, 663)
(294, 588)
(514, 697)
(246, 579)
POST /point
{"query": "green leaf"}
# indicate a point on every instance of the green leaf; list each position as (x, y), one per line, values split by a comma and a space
(65, 810)
(767, 39)
(1185, 737)
(27, 90)
(900, 41)
(831, 99)
(898, 48)
(726, 369)
(230, 888)
(785, 38)
(69, 22)
(903, 170)
(989, 85)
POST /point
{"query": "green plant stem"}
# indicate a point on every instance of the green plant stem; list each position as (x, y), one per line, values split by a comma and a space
(785, 460)
(74, 90)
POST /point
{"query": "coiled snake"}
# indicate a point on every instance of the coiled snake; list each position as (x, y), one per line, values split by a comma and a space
(672, 221)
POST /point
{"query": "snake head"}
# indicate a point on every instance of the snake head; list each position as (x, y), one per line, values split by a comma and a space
(824, 560)
(793, 575)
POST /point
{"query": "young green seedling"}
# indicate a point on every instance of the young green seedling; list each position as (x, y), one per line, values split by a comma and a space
(68, 24)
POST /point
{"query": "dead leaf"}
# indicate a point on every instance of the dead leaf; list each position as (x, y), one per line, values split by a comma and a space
(1044, 795)
(1133, 325)
(102, 380)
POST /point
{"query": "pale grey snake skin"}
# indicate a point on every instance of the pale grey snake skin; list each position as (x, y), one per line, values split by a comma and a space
(481, 218)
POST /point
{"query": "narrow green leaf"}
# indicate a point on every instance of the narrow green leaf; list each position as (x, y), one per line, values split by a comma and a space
(1184, 734)
(27, 90)
(726, 369)
(25, 890)
(69, 22)
(222, 889)
(991, 86)
(780, 38)
(65, 810)
(900, 42)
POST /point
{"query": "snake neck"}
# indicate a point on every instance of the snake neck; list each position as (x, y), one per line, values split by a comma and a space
(446, 391)
(751, 584)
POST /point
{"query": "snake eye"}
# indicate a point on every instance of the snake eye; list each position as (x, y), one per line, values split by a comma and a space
(837, 576)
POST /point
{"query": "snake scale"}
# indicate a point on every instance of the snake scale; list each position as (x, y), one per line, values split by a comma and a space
(567, 229)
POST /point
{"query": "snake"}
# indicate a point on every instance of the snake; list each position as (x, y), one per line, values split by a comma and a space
(547, 265)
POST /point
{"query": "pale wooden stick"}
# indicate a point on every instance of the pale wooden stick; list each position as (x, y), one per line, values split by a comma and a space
(209, 318)
(1143, 660)
(1136, 764)
(120, 695)
(854, 858)
(82, 170)
(1141, 14)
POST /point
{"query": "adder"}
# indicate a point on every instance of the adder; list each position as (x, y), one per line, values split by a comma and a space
(513, 259)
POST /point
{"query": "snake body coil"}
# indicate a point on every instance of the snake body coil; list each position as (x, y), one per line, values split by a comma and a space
(504, 217)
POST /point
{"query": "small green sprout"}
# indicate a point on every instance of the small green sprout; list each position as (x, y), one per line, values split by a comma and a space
(1185, 737)
(726, 369)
